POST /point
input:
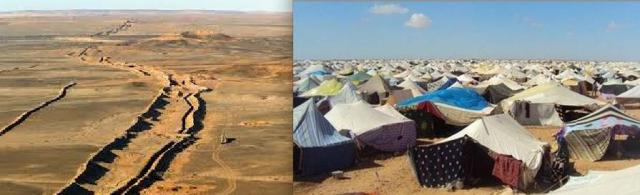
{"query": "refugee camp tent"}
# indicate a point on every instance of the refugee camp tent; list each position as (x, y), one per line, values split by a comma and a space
(373, 127)
(305, 84)
(319, 147)
(437, 84)
(359, 77)
(536, 105)
(346, 95)
(603, 182)
(326, 88)
(410, 85)
(614, 87)
(346, 71)
(314, 69)
(499, 92)
(375, 86)
(458, 97)
(443, 112)
(588, 138)
(631, 95)
(452, 159)
(398, 96)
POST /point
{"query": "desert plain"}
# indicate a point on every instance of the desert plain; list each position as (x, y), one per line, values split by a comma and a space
(143, 101)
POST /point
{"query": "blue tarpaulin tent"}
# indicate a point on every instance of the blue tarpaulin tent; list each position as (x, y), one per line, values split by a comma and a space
(458, 97)
(321, 148)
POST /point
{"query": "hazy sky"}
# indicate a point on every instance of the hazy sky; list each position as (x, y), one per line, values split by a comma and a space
(240, 5)
(506, 30)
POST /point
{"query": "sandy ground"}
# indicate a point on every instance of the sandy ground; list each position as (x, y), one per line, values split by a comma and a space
(243, 57)
(393, 175)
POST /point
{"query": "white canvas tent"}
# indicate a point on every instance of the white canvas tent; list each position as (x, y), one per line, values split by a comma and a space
(543, 98)
(603, 182)
(346, 95)
(631, 94)
(503, 135)
(410, 85)
(372, 127)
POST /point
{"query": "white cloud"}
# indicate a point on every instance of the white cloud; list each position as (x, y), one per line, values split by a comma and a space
(388, 9)
(418, 20)
(612, 26)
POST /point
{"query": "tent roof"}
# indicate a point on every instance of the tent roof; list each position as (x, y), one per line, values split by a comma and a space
(551, 93)
(326, 88)
(346, 95)
(458, 97)
(604, 117)
(359, 117)
(306, 84)
(502, 134)
(410, 85)
(374, 84)
(631, 93)
(311, 129)
(603, 182)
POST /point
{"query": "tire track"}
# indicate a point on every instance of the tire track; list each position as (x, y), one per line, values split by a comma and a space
(20, 119)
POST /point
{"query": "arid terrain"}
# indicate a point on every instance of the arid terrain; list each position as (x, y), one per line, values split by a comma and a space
(141, 101)
(388, 174)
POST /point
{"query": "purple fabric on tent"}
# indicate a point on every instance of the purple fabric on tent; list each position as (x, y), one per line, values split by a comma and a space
(395, 137)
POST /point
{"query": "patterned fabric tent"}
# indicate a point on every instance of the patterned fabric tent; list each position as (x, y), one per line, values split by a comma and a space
(503, 135)
(588, 138)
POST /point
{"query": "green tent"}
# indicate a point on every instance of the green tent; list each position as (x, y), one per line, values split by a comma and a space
(359, 78)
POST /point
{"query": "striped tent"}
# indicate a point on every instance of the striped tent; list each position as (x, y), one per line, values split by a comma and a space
(319, 147)
(588, 137)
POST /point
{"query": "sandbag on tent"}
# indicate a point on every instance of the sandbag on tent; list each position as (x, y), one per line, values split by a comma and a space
(347, 95)
(603, 182)
(458, 97)
(588, 138)
(462, 155)
(373, 127)
(319, 147)
(503, 135)
(326, 88)
(497, 93)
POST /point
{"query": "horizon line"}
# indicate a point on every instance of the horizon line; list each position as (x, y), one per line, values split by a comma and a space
(520, 59)
(143, 9)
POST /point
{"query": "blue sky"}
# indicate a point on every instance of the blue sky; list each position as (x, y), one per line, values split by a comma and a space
(239, 5)
(499, 30)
